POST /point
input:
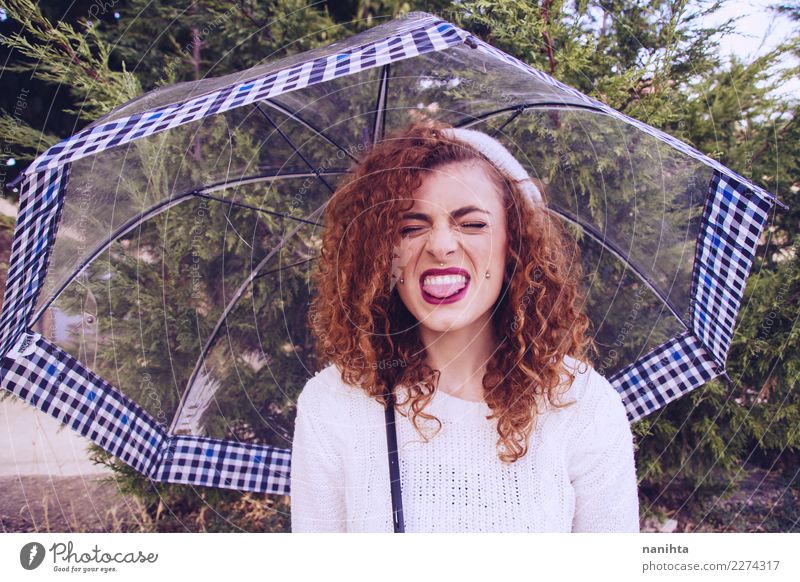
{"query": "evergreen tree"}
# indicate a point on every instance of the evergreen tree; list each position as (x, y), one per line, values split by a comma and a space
(162, 289)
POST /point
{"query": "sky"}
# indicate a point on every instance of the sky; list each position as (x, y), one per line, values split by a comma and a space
(758, 31)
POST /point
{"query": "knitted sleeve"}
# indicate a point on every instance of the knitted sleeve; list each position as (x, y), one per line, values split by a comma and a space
(602, 469)
(317, 468)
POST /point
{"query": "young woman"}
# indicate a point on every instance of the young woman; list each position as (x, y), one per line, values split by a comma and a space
(443, 277)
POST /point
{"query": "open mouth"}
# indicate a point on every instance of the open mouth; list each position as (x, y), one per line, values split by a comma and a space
(441, 289)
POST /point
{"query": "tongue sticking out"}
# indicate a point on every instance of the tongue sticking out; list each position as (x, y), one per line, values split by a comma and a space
(443, 290)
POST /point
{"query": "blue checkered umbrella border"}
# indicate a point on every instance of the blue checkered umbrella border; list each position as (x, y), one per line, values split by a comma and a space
(50, 379)
(45, 376)
(193, 460)
(432, 35)
(733, 219)
(40, 203)
(666, 373)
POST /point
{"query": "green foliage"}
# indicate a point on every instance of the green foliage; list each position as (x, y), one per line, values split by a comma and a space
(61, 55)
(634, 56)
(28, 142)
(189, 40)
(650, 59)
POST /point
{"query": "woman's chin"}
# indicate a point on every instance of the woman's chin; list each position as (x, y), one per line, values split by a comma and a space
(446, 317)
(443, 328)
(441, 322)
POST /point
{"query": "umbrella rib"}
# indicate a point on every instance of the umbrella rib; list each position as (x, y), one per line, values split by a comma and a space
(271, 271)
(200, 194)
(617, 252)
(380, 106)
(521, 108)
(228, 308)
(308, 125)
(281, 109)
(166, 204)
(294, 147)
(511, 118)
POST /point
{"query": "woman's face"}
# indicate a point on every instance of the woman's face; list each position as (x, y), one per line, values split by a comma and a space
(458, 219)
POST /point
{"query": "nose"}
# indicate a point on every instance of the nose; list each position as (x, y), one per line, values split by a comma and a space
(442, 242)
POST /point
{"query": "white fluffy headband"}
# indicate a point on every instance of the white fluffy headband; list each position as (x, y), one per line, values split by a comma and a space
(499, 156)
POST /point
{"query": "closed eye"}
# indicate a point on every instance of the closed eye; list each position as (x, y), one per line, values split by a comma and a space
(411, 229)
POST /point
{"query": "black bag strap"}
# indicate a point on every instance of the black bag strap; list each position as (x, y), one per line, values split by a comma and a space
(394, 465)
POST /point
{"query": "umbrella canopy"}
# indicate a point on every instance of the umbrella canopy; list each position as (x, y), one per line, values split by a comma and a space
(158, 275)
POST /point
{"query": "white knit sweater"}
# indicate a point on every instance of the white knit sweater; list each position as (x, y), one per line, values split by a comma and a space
(578, 474)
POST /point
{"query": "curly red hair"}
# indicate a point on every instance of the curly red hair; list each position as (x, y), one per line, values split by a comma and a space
(362, 326)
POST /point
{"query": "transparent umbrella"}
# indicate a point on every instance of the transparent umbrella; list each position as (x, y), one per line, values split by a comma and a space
(158, 283)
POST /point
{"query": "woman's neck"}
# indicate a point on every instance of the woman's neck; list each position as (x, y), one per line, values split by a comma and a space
(462, 357)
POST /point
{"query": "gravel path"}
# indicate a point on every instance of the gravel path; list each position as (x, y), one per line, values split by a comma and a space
(64, 504)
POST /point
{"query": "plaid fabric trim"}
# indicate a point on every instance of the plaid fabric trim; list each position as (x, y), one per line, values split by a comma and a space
(193, 460)
(733, 220)
(433, 34)
(56, 383)
(666, 373)
(589, 101)
(40, 204)
(53, 381)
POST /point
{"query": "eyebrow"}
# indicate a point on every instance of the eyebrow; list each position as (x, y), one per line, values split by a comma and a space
(455, 214)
